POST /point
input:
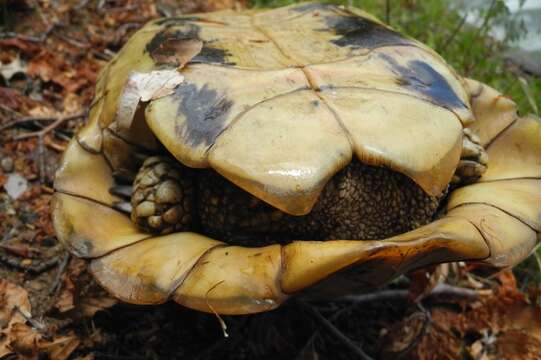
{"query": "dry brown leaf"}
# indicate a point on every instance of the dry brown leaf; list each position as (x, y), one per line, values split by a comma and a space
(504, 325)
(90, 306)
(23, 341)
(61, 347)
(423, 281)
(13, 303)
(66, 298)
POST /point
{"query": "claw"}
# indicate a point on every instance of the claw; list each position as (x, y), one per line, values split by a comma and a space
(124, 191)
(473, 160)
(123, 206)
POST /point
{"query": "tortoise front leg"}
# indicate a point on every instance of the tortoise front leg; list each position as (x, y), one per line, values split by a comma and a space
(163, 196)
(473, 160)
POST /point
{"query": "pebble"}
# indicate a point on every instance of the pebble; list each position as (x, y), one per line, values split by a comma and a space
(16, 185)
(7, 164)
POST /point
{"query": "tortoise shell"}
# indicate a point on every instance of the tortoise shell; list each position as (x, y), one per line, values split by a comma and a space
(277, 102)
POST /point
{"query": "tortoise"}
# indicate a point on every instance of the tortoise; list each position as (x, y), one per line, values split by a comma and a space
(233, 159)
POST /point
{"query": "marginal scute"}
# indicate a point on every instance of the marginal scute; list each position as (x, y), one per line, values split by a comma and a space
(137, 133)
(283, 151)
(493, 111)
(234, 280)
(509, 239)
(520, 198)
(516, 153)
(89, 229)
(448, 239)
(115, 74)
(412, 136)
(149, 271)
(119, 153)
(90, 136)
(85, 174)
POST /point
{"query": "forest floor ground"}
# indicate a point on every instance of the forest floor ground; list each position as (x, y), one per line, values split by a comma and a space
(51, 53)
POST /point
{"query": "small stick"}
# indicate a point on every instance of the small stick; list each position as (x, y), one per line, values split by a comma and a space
(337, 333)
(36, 39)
(440, 289)
(388, 12)
(32, 269)
(50, 127)
(58, 277)
(25, 120)
(457, 29)
(35, 324)
(427, 320)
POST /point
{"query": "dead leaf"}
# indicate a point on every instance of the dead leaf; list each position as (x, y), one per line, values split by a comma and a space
(423, 281)
(23, 340)
(144, 87)
(92, 305)
(13, 304)
(60, 348)
(16, 66)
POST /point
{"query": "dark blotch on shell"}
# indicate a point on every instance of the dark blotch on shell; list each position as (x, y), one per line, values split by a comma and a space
(312, 6)
(165, 46)
(212, 55)
(423, 78)
(156, 45)
(205, 112)
(359, 32)
(175, 21)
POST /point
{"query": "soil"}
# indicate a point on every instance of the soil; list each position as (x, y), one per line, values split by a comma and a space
(50, 307)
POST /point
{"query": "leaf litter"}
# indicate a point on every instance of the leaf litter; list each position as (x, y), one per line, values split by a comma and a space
(50, 307)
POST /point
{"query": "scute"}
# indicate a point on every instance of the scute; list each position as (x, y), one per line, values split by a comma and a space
(493, 111)
(163, 263)
(406, 134)
(510, 239)
(516, 153)
(189, 121)
(402, 88)
(283, 151)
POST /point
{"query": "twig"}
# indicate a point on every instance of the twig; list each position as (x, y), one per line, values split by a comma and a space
(10, 110)
(35, 324)
(81, 4)
(40, 134)
(58, 277)
(388, 12)
(378, 295)
(70, 40)
(426, 321)
(337, 333)
(41, 159)
(32, 269)
(451, 37)
(25, 120)
(59, 120)
(37, 39)
(482, 29)
(441, 289)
